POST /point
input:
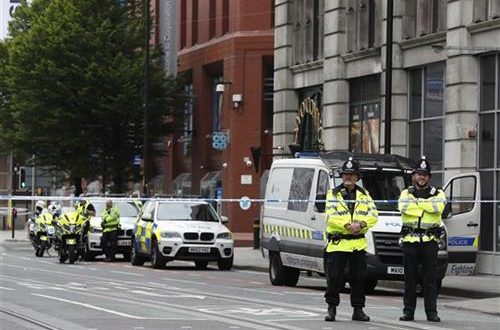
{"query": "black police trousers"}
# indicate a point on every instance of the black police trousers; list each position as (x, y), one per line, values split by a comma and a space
(108, 242)
(414, 255)
(335, 277)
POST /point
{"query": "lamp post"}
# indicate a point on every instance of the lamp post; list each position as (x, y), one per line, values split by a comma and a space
(145, 160)
(388, 79)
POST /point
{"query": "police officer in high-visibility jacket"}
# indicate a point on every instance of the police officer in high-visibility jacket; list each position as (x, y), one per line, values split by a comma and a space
(350, 213)
(110, 225)
(421, 206)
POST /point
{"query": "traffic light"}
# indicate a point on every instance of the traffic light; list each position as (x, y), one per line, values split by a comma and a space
(22, 177)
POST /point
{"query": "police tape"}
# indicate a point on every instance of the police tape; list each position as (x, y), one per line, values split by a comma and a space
(218, 200)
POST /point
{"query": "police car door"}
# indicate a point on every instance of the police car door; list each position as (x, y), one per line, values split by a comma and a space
(463, 222)
(142, 227)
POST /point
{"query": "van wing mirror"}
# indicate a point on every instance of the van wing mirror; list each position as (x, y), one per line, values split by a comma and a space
(320, 203)
(224, 219)
(447, 211)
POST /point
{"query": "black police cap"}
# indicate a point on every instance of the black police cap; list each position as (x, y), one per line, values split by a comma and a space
(422, 166)
(350, 166)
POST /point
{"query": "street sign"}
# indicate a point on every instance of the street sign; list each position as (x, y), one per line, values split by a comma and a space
(137, 160)
(220, 140)
(245, 203)
(218, 193)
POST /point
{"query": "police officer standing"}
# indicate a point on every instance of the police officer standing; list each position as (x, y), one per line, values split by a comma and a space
(350, 213)
(110, 225)
(421, 206)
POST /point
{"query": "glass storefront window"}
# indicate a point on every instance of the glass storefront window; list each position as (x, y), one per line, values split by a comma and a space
(488, 82)
(364, 114)
(434, 90)
(416, 94)
(486, 140)
(426, 116)
(497, 207)
(433, 139)
(487, 220)
(414, 137)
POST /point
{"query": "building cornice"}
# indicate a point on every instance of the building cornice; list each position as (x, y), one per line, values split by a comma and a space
(484, 26)
(423, 41)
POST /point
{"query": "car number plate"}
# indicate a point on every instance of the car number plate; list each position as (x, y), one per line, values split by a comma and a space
(124, 243)
(396, 270)
(199, 249)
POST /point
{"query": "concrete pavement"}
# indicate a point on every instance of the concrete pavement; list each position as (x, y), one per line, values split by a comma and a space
(483, 289)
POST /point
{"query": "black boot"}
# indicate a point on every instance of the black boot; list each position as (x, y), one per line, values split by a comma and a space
(407, 317)
(359, 315)
(433, 317)
(332, 311)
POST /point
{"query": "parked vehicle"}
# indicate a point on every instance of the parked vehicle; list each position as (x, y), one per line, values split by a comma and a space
(293, 232)
(129, 212)
(192, 231)
(69, 239)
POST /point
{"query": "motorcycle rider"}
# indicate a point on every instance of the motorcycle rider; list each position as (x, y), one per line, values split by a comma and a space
(30, 224)
(41, 222)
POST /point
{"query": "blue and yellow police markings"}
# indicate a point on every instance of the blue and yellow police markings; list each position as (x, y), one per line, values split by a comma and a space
(291, 232)
(144, 234)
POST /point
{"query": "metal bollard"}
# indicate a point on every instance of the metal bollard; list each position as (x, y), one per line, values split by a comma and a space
(13, 224)
(256, 236)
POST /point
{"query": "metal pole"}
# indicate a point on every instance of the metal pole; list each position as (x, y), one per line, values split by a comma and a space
(145, 160)
(388, 78)
(33, 171)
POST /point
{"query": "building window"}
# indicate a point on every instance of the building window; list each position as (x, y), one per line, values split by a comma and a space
(194, 23)
(426, 117)
(485, 10)
(308, 30)
(211, 20)
(364, 114)
(422, 17)
(188, 120)
(361, 20)
(308, 132)
(183, 23)
(225, 16)
(489, 151)
(216, 104)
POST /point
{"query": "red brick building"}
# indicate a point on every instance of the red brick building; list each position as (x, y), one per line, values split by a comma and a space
(228, 43)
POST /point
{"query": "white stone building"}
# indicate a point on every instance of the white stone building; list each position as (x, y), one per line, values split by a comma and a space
(445, 90)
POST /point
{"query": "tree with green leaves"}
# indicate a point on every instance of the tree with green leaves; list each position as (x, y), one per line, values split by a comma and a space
(72, 85)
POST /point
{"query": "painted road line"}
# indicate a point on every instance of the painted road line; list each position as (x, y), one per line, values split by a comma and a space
(8, 289)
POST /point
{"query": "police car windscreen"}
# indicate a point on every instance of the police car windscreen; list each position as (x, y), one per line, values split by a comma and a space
(186, 212)
(127, 210)
(385, 186)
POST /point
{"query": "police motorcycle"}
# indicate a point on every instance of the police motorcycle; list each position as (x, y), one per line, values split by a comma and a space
(44, 231)
(71, 229)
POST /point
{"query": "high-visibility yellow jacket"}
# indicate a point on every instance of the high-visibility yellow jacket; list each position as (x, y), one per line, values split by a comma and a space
(338, 217)
(110, 219)
(42, 220)
(421, 214)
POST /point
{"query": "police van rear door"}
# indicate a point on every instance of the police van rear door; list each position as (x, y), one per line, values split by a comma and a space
(463, 222)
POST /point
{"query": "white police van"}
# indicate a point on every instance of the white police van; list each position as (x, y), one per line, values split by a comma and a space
(293, 232)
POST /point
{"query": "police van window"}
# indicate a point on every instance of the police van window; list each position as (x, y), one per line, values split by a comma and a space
(463, 191)
(385, 186)
(322, 187)
(300, 189)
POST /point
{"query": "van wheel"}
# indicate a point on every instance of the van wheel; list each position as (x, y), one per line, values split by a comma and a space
(370, 285)
(279, 274)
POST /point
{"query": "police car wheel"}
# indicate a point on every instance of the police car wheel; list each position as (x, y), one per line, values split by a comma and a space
(201, 264)
(225, 263)
(135, 258)
(157, 259)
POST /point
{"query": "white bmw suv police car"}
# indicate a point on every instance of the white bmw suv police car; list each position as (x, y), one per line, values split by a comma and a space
(181, 230)
(128, 215)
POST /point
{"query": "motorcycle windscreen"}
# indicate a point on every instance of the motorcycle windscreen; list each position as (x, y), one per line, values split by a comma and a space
(462, 223)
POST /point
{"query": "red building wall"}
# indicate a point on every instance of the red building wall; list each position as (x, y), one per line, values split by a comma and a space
(238, 47)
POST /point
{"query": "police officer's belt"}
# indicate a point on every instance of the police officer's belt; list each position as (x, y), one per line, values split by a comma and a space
(421, 232)
(337, 237)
